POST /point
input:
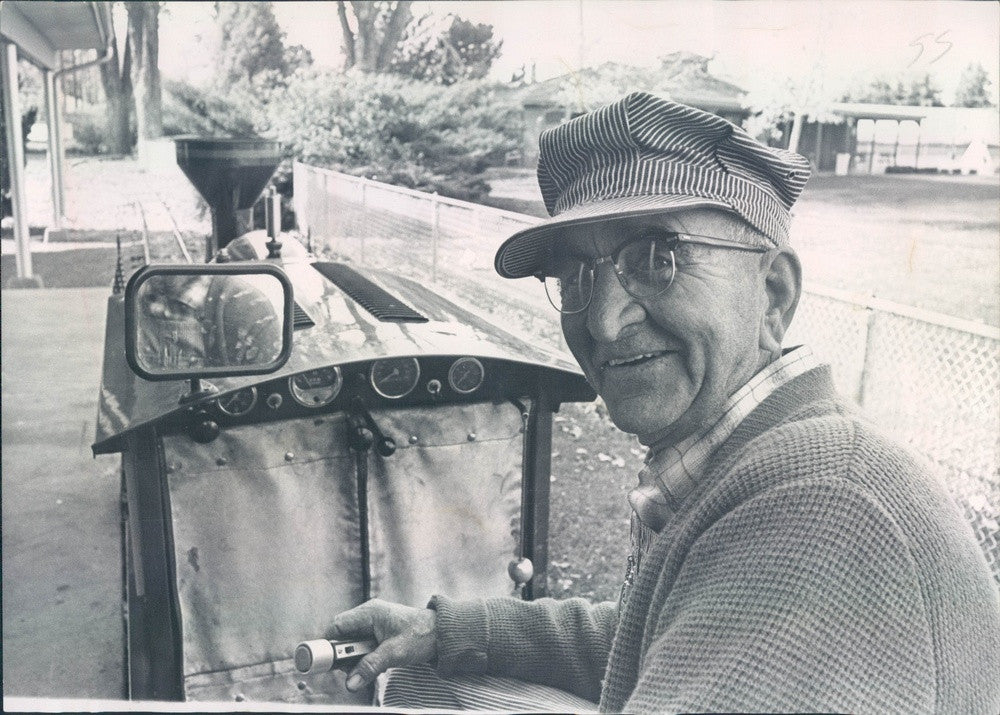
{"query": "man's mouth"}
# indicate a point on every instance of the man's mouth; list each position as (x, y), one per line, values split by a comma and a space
(631, 360)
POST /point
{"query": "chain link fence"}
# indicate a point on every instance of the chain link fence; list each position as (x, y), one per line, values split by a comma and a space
(931, 380)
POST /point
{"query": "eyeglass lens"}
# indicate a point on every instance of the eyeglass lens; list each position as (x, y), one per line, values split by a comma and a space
(645, 267)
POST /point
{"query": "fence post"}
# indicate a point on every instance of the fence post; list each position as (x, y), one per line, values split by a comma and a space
(364, 216)
(435, 232)
(866, 364)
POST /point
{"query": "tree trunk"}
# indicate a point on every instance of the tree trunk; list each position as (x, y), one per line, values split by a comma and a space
(350, 55)
(371, 47)
(118, 93)
(143, 38)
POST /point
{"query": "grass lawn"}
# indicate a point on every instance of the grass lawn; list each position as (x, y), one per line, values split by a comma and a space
(74, 268)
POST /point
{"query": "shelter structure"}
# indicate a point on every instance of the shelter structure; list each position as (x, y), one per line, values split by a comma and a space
(860, 138)
(39, 31)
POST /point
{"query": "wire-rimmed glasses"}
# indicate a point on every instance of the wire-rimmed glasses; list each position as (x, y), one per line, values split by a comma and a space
(645, 266)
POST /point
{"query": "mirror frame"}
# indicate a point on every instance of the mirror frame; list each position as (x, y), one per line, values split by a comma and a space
(236, 268)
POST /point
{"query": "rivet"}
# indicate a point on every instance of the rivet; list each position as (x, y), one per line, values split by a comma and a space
(274, 400)
(414, 439)
(301, 685)
(471, 437)
(289, 456)
(221, 461)
(238, 698)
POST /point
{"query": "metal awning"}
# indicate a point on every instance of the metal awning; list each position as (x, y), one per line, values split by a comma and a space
(38, 31)
(862, 110)
(41, 29)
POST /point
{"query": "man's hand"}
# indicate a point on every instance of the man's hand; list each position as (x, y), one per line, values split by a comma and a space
(406, 636)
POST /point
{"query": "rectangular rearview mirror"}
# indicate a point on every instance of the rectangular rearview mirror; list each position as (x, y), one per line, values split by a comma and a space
(204, 320)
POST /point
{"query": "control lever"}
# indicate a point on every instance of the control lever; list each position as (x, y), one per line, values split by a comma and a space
(361, 422)
(362, 434)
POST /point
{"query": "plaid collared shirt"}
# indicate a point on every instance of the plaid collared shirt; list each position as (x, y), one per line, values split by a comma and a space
(672, 472)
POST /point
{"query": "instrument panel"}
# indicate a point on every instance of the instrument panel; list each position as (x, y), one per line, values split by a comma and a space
(381, 383)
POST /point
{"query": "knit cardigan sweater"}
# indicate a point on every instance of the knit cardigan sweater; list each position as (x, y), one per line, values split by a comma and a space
(816, 567)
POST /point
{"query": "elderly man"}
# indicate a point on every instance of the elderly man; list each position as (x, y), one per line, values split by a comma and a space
(785, 556)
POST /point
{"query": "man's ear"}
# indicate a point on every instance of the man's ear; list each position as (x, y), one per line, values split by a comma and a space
(783, 283)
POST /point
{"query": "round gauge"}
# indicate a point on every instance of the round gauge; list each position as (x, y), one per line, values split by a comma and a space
(466, 375)
(395, 377)
(316, 388)
(236, 404)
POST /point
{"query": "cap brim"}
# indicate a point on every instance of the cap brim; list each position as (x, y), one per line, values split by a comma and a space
(524, 253)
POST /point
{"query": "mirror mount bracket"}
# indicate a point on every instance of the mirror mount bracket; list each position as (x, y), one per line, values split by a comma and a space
(198, 391)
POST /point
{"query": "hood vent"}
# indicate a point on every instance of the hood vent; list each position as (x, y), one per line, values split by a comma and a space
(377, 301)
(301, 319)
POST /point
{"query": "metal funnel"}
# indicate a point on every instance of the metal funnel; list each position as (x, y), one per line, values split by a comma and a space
(230, 175)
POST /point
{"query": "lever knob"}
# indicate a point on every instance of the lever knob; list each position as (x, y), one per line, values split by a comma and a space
(203, 428)
(386, 446)
(521, 570)
(361, 439)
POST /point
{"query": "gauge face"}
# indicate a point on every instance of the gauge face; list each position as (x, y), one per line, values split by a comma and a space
(238, 403)
(396, 377)
(466, 375)
(316, 388)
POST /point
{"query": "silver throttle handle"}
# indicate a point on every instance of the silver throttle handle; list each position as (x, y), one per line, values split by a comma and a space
(321, 655)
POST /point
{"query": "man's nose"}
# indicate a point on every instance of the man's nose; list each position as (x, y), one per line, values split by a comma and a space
(611, 308)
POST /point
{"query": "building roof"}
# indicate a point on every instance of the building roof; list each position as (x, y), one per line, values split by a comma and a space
(682, 76)
(41, 29)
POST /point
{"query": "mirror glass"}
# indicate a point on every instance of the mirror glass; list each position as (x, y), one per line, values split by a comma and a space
(204, 321)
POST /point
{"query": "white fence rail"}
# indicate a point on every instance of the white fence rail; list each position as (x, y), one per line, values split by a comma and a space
(932, 380)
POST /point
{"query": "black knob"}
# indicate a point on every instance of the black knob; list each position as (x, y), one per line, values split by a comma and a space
(386, 446)
(361, 439)
(203, 428)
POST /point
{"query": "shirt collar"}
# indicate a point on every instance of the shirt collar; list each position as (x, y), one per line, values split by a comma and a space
(671, 473)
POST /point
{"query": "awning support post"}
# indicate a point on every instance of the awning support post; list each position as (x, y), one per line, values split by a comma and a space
(55, 148)
(15, 161)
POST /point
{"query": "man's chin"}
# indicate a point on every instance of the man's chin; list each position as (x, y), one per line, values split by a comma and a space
(628, 418)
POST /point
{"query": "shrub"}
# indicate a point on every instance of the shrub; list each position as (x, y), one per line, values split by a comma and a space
(89, 134)
(401, 131)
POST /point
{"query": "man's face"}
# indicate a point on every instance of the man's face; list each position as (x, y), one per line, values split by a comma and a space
(665, 365)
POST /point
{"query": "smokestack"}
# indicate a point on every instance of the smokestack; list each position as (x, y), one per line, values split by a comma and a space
(229, 174)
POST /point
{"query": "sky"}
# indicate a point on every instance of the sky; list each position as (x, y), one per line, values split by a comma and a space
(754, 43)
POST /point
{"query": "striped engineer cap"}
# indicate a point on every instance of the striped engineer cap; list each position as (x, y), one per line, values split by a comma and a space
(644, 154)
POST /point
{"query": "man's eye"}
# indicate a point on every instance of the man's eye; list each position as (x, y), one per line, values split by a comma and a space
(646, 256)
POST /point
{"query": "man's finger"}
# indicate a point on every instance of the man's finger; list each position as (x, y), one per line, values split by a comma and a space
(356, 624)
(378, 661)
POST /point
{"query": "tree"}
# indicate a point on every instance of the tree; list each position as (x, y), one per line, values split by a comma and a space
(251, 42)
(144, 43)
(918, 91)
(117, 83)
(446, 52)
(973, 87)
(370, 40)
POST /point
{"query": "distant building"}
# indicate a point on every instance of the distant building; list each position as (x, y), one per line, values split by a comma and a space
(681, 76)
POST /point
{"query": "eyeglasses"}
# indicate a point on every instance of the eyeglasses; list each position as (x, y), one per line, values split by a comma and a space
(645, 266)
